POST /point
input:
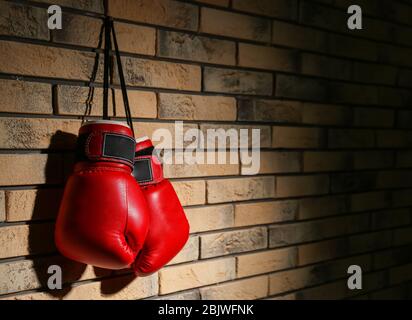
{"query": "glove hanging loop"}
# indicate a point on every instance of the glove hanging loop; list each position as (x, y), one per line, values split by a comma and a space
(108, 72)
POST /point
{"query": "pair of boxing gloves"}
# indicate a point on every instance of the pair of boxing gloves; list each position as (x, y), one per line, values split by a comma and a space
(117, 210)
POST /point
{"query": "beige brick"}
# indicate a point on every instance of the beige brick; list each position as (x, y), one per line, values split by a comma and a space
(217, 135)
(238, 189)
(320, 251)
(23, 21)
(24, 240)
(267, 261)
(210, 218)
(281, 111)
(2, 207)
(90, 5)
(177, 278)
(159, 12)
(30, 133)
(151, 130)
(298, 36)
(310, 208)
(71, 100)
(297, 137)
(274, 162)
(35, 204)
(135, 39)
(160, 74)
(264, 57)
(286, 9)
(188, 295)
(224, 243)
(236, 81)
(291, 280)
(32, 273)
(45, 61)
(204, 168)
(27, 169)
(188, 47)
(222, 3)
(249, 289)
(73, 30)
(326, 161)
(293, 186)
(194, 107)
(108, 289)
(264, 212)
(18, 96)
(326, 114)
(189, 252)
(234, 25)
(190, 192)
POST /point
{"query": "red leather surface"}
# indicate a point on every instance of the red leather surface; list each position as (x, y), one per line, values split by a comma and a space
(168, 230)
(103, 218)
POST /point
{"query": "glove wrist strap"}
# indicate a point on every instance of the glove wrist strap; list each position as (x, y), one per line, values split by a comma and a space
(106, 146)
(147, 168)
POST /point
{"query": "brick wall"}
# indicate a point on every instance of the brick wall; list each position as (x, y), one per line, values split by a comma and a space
(333, 106)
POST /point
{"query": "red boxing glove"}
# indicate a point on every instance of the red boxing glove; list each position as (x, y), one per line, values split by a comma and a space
(103, 218)
(169, 229)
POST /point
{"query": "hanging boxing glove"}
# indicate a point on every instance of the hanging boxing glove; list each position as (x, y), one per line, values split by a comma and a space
(103, 218)
(169, 228)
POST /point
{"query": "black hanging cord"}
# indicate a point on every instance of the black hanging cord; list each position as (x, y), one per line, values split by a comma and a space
(107, 46)
(108, 28)
(90, 95)
(122, 81)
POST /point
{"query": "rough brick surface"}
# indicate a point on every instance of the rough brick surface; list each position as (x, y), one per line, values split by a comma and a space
(2, 207)
(229, 190)
(30, 169)
(23, 21)
(161, 12)
(193, 107)
(36, 204)
(236, 81)
(197, 274)
(266, 261)
(218, 244)
(267, 58)
(210, 218)
(25, 97)
(71, 100)
(265, 212)
(234, 25)
(286, 9)
(188, 47)
(250, 289)
(161, 74)
(61, 63)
